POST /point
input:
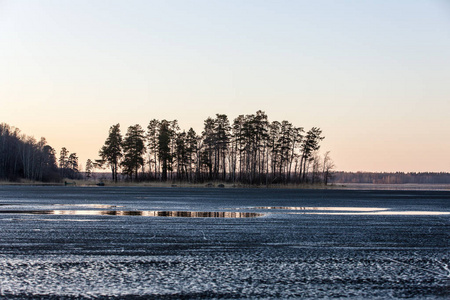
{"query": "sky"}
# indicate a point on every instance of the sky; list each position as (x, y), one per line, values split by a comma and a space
(373, 75)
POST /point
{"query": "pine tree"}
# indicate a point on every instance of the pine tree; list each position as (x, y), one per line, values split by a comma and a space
(134, 148)
(111, 152)
(72, 166)
(208, 146)
(181, 154)
(152, 143)
(309, 145)
(221, 139)
(192, 147)
(164, 147)
(89, 168)
(63, 161)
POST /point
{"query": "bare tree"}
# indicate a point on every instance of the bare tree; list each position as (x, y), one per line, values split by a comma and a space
(328, 167)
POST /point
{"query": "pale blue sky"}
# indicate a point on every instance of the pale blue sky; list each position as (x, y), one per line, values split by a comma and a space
(374, 75)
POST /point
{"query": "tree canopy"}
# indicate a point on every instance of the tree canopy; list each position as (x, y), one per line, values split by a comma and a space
(250, 150)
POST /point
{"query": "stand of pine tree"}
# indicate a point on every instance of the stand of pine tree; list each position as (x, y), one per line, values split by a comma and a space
(249, 150)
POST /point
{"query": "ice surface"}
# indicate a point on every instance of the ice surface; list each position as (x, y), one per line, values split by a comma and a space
(276, 256)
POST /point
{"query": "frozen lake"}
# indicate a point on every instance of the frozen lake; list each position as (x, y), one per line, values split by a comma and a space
(171, 243)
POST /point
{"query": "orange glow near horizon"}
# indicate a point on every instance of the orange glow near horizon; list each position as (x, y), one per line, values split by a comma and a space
(372, 75)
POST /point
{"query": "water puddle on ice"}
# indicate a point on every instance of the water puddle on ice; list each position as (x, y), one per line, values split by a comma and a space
(385, 213)
(89, 205)
(353, 211)
(174, 214)
(357, 209)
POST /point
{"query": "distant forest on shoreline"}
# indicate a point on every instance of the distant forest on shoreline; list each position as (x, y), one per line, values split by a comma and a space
(249, 150)
(391, 178)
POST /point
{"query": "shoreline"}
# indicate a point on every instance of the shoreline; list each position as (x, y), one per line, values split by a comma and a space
(84, 183)
(395, 187)
(334, 186)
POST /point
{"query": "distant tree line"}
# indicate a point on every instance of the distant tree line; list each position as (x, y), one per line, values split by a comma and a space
(391, 178)
(249, 150)
(25, 157)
